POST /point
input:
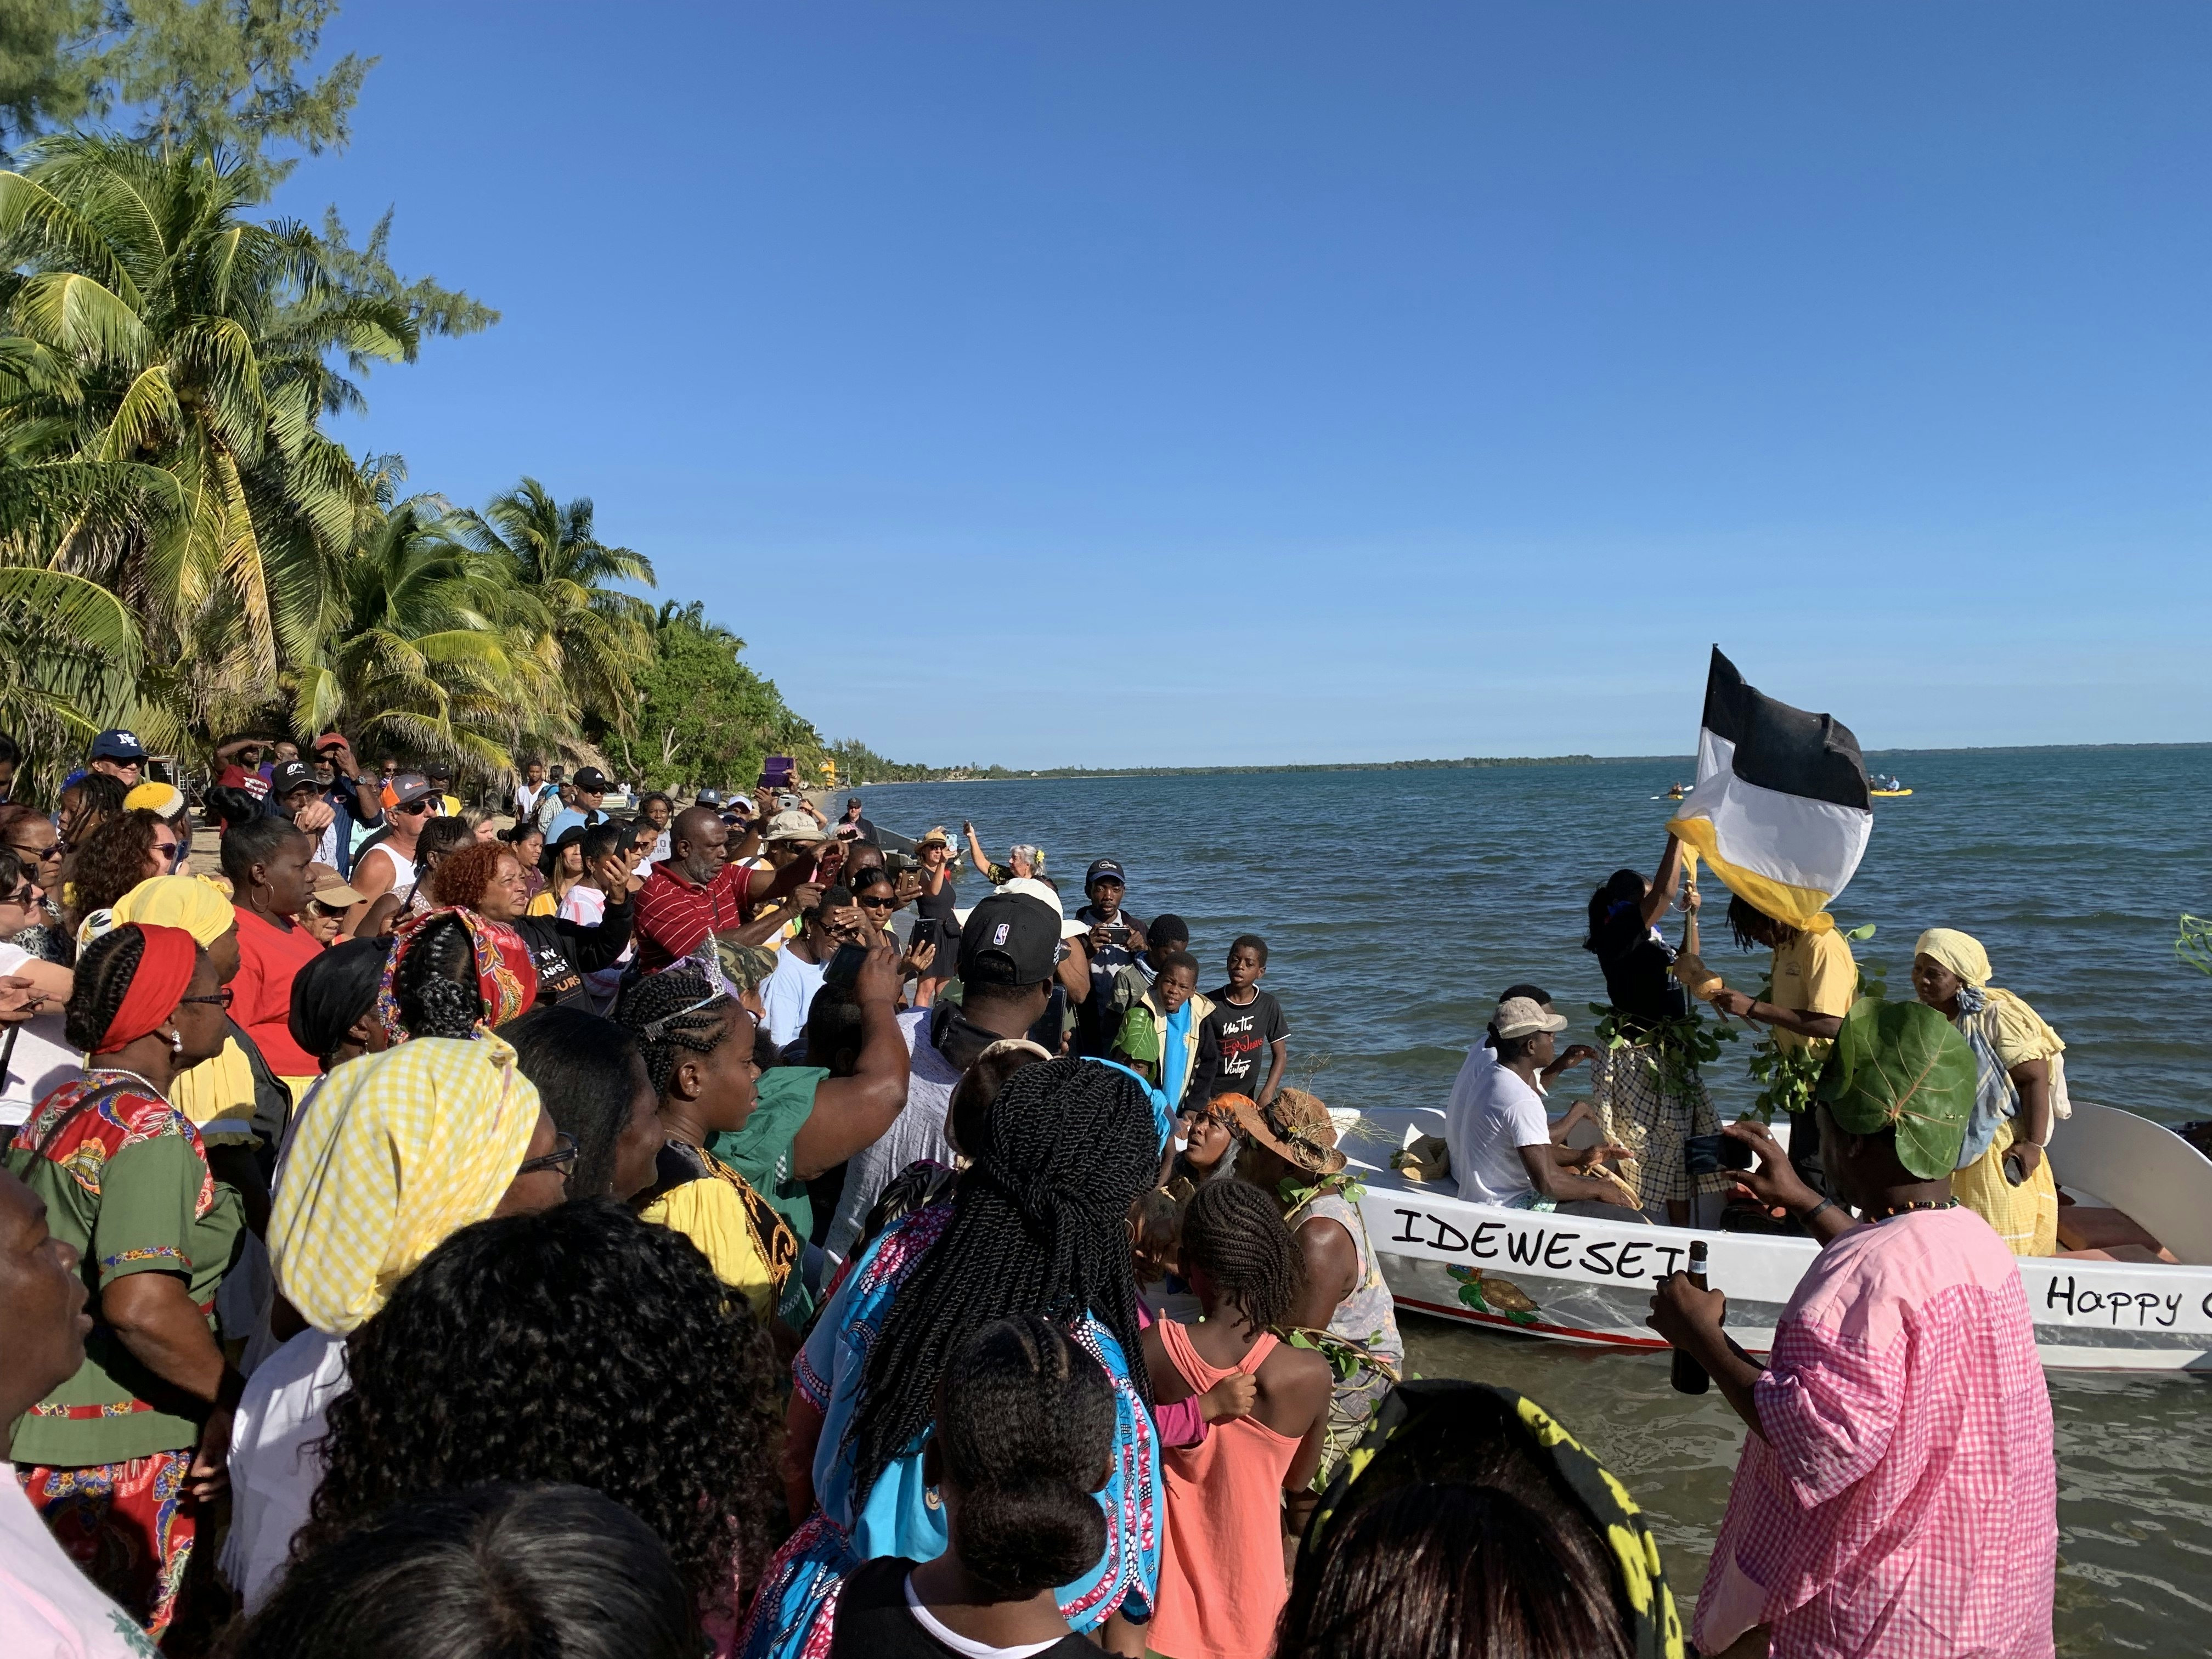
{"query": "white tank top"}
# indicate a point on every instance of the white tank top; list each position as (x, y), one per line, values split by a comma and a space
(403, 867)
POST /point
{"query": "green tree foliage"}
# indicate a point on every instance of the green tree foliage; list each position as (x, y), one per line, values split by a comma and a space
(160, 329)
(184, 547)
(179, 74)
(704, 718)
(587, 640)
(857, 763)
(425, 660)
(49, 75)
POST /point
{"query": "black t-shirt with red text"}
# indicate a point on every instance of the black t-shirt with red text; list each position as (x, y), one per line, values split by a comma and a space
(1245, 1035)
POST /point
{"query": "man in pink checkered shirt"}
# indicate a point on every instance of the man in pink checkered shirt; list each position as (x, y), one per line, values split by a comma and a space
(1898, 1495)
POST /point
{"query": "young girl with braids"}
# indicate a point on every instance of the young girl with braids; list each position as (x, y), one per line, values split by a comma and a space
(698, 1048)
(1021, 1443)
(1223, 1573)
(1037, 1225)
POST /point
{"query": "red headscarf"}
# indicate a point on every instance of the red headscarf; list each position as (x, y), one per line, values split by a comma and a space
(161, 976)
(507, 979)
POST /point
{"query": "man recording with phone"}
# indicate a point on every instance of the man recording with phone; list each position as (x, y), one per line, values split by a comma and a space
(1114, 942)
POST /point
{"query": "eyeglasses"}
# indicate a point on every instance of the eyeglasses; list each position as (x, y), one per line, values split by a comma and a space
(562, 1155)
(221, 999)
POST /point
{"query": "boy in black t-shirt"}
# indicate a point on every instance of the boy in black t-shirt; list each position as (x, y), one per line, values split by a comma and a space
(1249, 1026)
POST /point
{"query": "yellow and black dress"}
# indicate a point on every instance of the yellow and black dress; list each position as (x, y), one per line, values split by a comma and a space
(744, 1239)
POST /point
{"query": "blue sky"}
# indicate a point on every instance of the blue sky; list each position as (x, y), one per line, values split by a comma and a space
(1144, 385)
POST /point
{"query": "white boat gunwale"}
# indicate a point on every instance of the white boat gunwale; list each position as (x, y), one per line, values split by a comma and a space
(1590, 1278)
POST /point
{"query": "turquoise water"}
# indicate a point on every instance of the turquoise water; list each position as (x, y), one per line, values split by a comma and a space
(1396, 905)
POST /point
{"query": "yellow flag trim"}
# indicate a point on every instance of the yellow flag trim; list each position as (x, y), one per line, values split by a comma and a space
(1804, 908)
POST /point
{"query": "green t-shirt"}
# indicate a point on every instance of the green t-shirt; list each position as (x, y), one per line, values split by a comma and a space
(126, 1182)
(761, 1152)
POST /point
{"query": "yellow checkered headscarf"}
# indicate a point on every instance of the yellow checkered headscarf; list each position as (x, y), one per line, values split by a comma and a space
(396, 1153)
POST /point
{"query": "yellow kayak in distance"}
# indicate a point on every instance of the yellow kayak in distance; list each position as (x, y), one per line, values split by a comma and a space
(1888, 795)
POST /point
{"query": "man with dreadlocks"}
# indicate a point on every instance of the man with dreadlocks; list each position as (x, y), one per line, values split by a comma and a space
(1036, 1225)
(698, 1041)
(1221, 1584)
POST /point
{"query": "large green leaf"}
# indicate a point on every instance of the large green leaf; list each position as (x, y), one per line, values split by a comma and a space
(1901, 1064)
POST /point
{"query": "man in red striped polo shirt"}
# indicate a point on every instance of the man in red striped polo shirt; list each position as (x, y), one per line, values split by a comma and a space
(692, 893)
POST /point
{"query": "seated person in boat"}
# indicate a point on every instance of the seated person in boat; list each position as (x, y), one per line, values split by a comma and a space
(2003, 1176)
(1898, 1493)
(1500, 1140)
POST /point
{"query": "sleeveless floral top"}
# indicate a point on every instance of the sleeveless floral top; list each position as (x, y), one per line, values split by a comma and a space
(1367, 1316)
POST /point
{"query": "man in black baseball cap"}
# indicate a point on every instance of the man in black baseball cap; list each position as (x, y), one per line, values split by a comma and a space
(589, 789)
(1009, 939)
(1113, 943)
(1008, 950)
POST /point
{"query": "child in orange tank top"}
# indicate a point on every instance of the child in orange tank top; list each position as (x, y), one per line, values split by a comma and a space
(1223, 1569)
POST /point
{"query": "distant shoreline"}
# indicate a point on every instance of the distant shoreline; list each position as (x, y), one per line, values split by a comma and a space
(1473, 762)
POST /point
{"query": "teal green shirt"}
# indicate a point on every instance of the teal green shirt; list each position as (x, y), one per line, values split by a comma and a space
(761, 1152)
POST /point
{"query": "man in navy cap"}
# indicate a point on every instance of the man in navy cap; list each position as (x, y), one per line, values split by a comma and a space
(1112, 944)
(116, 751)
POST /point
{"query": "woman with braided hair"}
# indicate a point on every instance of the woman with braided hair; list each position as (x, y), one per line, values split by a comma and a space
(698, 1041)
(119, 1457)
(1222, 1574)
(1036, 1225)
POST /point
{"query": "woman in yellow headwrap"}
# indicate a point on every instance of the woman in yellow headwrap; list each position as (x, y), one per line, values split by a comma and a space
(399, 1151)
(2004, 1174)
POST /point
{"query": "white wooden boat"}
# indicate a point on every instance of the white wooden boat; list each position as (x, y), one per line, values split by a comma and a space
(1580, 1280)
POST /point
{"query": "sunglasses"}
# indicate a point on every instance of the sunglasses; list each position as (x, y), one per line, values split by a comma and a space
(413, 809)
(221, 999)
(38, 855)
(25, 898)
(175, 849)
(562, 1155)
(886, 903)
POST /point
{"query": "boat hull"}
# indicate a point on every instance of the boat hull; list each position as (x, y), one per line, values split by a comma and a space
(1587, 1280)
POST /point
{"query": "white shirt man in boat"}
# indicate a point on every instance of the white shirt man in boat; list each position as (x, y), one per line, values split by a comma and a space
(1500, 1140)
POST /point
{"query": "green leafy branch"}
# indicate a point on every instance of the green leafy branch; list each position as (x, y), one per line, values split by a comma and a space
(2193, 944)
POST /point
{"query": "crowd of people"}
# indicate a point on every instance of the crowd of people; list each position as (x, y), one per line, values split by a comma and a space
(521, 1228)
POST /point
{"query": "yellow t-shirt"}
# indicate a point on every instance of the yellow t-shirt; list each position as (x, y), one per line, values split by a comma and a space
(1813, 974)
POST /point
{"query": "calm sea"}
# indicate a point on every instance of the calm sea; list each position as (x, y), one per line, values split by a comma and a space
(1396, 905)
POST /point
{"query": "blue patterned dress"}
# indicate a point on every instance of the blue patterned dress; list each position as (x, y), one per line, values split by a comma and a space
(792, 1616)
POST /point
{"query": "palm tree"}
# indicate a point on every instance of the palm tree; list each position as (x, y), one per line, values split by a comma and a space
(158, 331)
(424, 661)
(592, 641)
